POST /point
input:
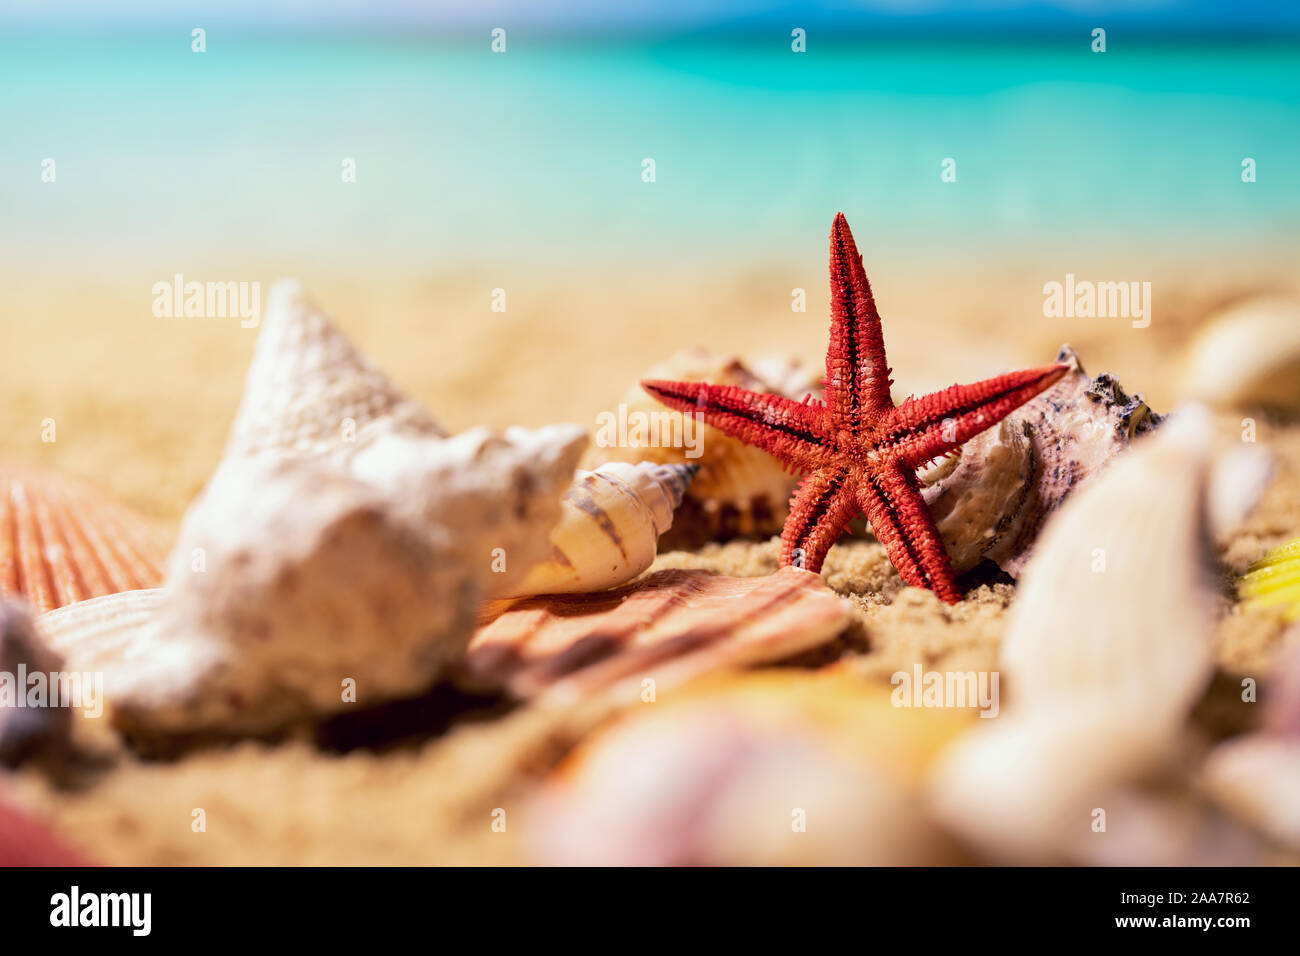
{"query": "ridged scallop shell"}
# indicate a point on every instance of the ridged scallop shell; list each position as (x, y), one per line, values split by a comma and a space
(609, 527)
(740, 491)
(61, 541)
(102, 634)
(310, 390)
(991, 499)
(1108, 648)
(1247, 356)
(1274, 580)
(668, 627)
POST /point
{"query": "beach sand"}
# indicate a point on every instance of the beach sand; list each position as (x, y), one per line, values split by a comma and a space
(141, 406)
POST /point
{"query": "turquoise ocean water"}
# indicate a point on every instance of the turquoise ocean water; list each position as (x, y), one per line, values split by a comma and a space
(462, 154)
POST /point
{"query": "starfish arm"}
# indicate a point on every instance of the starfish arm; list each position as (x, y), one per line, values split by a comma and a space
(921, 429)
(794, 432)
(820, 510)
(891, 499)
(857, 373)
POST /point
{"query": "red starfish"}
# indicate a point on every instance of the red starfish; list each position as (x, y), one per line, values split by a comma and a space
(858, 450)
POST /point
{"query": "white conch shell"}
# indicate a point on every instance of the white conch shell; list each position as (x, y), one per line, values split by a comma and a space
(1107, 650)
(740, 490)
(334, 562)
(310, 391)
(1118, 605)
(992, 498)
(1247, 356)
(609, 527)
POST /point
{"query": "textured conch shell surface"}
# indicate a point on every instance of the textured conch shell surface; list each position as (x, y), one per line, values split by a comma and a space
(1107, 650)
(992, 498)
(669, 627)
(609, 528)
(61, 541)
(334, 563)
(1247, 356)
(740, 491)
(310, 390)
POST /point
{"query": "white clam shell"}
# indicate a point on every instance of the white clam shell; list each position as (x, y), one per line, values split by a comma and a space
(1107, 650)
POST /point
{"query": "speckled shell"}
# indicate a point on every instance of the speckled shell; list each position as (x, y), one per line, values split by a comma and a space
(740, 491)
(991, 499)
(669, 627)
(1247, 356)
(61, 541)
(609, 527)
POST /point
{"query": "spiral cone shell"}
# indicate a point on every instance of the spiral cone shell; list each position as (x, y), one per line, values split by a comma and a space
(609, 528)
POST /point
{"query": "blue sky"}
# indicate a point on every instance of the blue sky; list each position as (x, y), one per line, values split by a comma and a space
(1153, 15)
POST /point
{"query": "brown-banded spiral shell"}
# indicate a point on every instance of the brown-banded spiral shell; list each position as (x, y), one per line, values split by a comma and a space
(62, 541)
(609, 527)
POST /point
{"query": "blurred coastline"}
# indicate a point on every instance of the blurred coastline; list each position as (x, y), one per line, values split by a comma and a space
(523, 171)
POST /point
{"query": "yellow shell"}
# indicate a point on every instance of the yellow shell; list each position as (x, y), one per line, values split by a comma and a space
(1275, 580)
(609, 527)
(740, 491)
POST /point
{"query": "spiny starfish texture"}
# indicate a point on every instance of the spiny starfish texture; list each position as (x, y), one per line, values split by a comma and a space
(858, 450)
